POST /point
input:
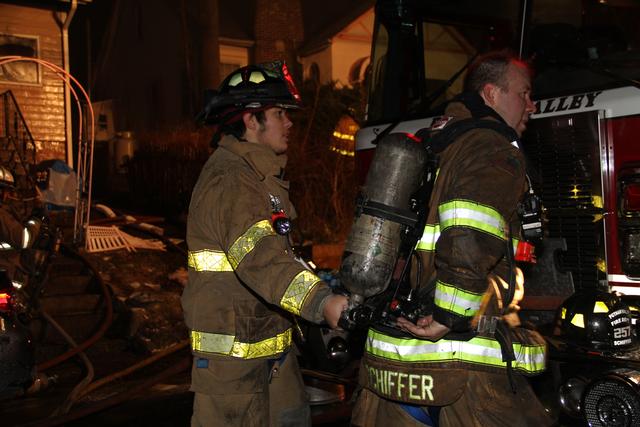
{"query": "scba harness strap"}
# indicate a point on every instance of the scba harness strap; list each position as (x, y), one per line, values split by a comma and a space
(439, 140)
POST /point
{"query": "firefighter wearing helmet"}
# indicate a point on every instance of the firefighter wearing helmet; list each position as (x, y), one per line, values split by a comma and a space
(245, 286)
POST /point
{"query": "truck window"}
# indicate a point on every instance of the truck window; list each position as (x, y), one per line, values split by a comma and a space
(420, 46)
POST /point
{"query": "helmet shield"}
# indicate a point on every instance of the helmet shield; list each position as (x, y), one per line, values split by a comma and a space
(250, 88)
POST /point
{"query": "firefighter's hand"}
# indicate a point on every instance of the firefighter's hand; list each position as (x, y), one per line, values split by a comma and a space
(333, 307)
(425, 328)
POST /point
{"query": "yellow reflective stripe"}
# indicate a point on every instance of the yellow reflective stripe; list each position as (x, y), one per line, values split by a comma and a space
(298, 290)
(456, 300)
(212, 343)
(431, 235)
(429, 238)
(245, 243)
(478, 350)
(208, 260)
(515, 243)
(227, 345)
(465, 213)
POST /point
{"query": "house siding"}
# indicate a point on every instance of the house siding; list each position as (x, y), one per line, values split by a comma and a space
(42, 104)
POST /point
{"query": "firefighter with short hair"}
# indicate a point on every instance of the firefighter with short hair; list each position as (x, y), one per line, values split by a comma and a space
(462, 364)
(245, 286)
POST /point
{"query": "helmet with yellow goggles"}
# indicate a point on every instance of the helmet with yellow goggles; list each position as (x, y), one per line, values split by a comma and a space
(250, 88)
(597, 320)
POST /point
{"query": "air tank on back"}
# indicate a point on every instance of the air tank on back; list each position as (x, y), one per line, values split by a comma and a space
(383, 205)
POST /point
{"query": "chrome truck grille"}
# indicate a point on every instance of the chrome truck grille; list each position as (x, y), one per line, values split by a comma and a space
(563, 156)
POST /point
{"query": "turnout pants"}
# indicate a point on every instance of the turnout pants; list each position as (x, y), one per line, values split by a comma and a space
(248, 393)
(487, 402)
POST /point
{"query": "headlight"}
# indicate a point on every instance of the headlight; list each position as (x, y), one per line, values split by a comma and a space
(613, 399)
(570, 395)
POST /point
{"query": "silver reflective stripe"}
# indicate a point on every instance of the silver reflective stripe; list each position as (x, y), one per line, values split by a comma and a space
(26, 237)
(478, 350)
(465, 213)
(456, 300)
(5, 246)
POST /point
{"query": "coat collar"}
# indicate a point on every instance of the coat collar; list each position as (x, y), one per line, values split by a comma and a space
(259, 157)
(458, 109)
(471, 104)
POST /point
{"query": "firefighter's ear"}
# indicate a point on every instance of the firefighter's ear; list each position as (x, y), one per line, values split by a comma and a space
(250, 121)
(489, 94)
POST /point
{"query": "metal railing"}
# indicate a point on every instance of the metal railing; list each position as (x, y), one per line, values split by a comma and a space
(20, 147)
(17, 147)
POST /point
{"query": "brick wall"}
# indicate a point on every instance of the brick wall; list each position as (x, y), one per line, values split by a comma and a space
(41, 104)
(279, 32)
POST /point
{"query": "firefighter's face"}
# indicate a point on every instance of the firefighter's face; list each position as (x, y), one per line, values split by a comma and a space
(514, 102)
(274, 130)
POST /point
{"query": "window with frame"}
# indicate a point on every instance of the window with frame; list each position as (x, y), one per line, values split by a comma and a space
(21, 72)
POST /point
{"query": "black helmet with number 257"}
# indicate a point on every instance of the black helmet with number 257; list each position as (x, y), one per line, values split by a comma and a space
(250, 88)
(597, 320)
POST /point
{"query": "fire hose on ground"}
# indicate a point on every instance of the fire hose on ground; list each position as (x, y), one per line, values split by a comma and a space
(61, 415)
(99, 333)
(90, 372)
(178, 367)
